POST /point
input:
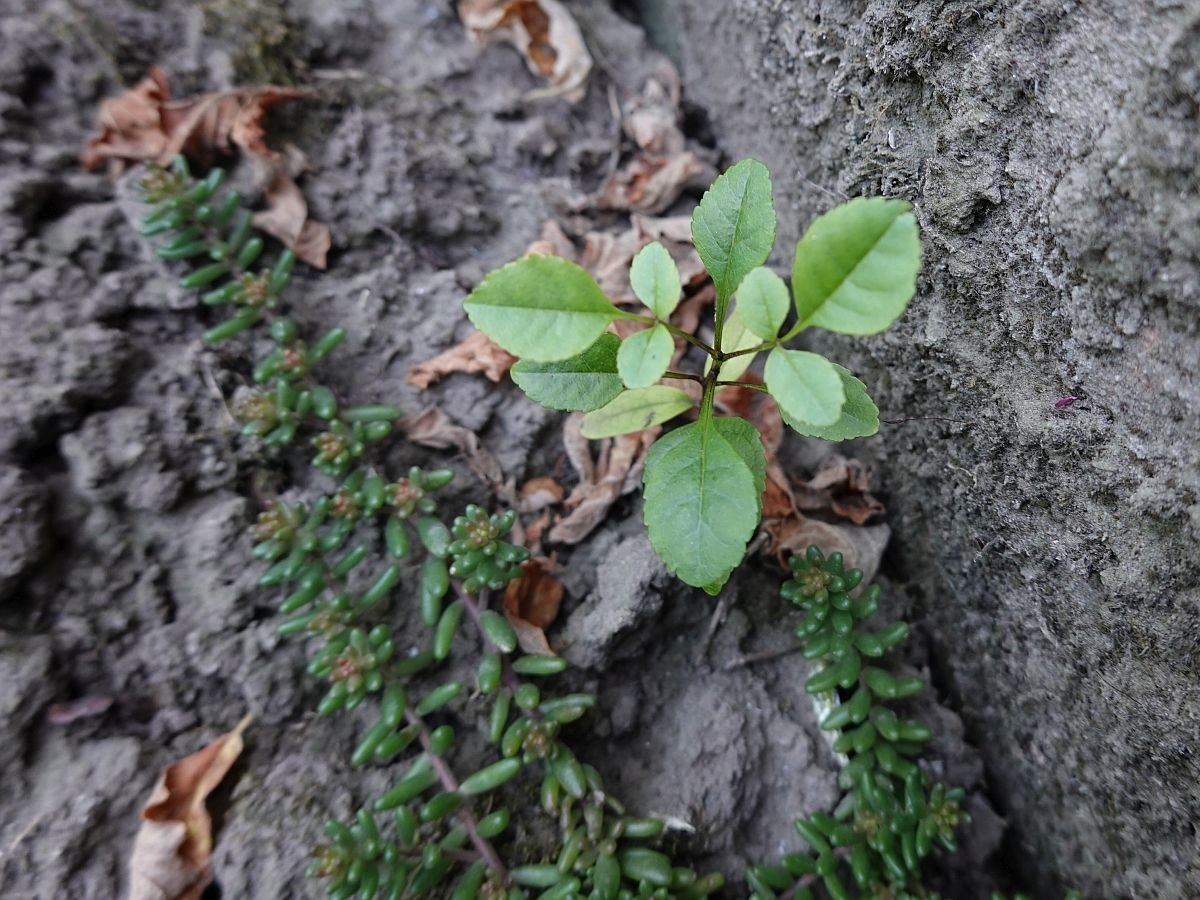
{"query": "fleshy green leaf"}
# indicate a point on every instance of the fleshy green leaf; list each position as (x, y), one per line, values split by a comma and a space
(703, 498)
(736, 337)
(762, 301)
(655, 279)
(644, 356)
(541, 308)
(580, 384)
(856, 267)
(733, 228)
(859, 418)
(635, 410)
(806, 386)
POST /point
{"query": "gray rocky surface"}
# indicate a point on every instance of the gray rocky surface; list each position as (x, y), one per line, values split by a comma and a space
(129, 488)
(1050, 149)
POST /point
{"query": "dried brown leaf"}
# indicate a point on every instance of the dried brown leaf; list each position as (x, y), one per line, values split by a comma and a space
(433, 428)
(543, 31)
(144, 124)
(478, 353)
(531, 604)
(650, 184)
(616, 470)
(172, 853)
(862, 547)
(538, 493)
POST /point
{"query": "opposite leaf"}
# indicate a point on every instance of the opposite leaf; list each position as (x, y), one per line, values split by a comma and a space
(806, 386)
(654, 278)
(580, 384)
(859, 418)
(644, 356)
(703, 496)
(856, 267)
(542, 308)
(635, 410)
(733, 228)
(762, 300)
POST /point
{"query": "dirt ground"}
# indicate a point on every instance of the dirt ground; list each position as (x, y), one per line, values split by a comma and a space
(123, 485)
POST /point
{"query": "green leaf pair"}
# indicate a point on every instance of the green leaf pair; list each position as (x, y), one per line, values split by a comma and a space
(854, 272)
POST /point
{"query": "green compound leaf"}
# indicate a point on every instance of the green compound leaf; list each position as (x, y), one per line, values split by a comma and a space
(859, 418)
(644, 356)
(635, 410)
(806, 386)
(541, 308)
(856, 267)
(579, 384)
(703, 495)
(762, 301)
(655, 279)
(733, 228)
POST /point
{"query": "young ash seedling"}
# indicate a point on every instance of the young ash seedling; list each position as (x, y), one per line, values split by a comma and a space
(854, 272)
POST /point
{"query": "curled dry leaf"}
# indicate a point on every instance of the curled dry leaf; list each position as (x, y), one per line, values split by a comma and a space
(617, 470)
(841, 486)
(531, 604)
(478, 353)
(172, 853)
(650, 184)
(538, 493)
(543, 31)
(145, 125)
(433, 428)
(661, 169)
(862, 546)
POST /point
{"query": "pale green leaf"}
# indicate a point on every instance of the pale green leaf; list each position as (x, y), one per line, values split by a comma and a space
(703, 498)
(635, 410)
(762, 301)
(736, 337)
(859, 418)
(856, 267)
(542, 308)
(644, 356)
(580, 384)
(655, 279)
(805, 385)
(733, 228)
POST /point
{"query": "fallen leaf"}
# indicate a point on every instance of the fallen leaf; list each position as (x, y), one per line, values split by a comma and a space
(617, 470)
(531, 604)
(651, 119)
(172, 853)
(433, 428)
(286, 218)
(650, 184)
(862, 547)
(478, 353)
(144, 124)
(841, 486)
(543, 31)
(130, 125)
(538, 493)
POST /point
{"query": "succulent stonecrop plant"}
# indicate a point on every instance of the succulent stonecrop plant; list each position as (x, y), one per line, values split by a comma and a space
(854, 272)
(892, 815)
(433, 830)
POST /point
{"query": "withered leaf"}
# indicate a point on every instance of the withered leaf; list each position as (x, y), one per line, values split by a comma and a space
(531, 604)
(538, 493)
(172, 853)
(433, 428)
(543, 31)
(617, 470)
(144, 124)
(478, 353)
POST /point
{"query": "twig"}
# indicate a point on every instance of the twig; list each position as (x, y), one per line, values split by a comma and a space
(761, 656)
